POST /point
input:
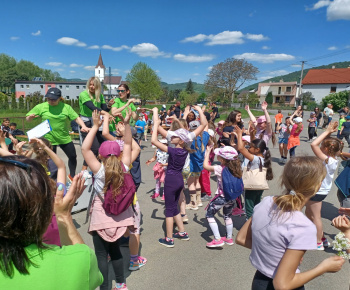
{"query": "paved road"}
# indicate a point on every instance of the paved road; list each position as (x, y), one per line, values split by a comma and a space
(190, 264)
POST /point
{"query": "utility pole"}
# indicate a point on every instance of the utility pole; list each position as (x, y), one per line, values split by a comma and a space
(301, 79)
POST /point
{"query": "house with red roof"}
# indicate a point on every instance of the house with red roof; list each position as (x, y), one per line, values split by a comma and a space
(322, 82)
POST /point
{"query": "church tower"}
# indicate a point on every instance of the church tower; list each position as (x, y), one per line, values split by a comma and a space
(100, 69)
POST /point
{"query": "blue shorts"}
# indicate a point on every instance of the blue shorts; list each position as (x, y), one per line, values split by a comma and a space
(282, 140)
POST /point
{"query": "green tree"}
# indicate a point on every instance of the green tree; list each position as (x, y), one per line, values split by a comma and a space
(202, 98)
(187, 98)
(21, 103)
(338, 100)
(189, 87)
(6, 102)
(13, 102)
(2, 98)
(269, 98)
(144, 82)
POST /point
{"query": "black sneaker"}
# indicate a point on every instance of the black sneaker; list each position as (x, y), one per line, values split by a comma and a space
(183, 236)
(169, 243)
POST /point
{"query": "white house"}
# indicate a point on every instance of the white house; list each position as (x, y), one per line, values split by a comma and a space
(284, 93)
(322, 82)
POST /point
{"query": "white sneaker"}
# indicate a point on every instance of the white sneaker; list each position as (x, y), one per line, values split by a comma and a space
(281, 160)
(285, 160)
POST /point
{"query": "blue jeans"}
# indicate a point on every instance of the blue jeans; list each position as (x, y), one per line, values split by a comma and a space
(292, 151)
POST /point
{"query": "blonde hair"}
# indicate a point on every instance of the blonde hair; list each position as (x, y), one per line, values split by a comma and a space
(97, 85)
(184, 123)
(175, 125)
(301, 178)
(114, 174)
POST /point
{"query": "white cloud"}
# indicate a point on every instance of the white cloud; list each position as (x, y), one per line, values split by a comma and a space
(266, 47)
(338, 9)
(271, 74)
(36, 33)
(71, 41)
(115, 71)
(225, 37)
(264, 58)
(115, 48)
(89, 67)
(196, 74)
(14, 38)
(75, 65)
(319, 4)
(296, 65)
(332, 48)
(194, 58)
(148, 50)
(94, 47)
(256, 37)
(54, 63)
(209, 67)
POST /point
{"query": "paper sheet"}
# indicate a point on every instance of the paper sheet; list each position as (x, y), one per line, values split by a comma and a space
(39, 130)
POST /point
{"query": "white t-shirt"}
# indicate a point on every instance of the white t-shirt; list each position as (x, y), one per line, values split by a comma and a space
(273, 235)
(254, 163)
(99, 178)
(326, 184)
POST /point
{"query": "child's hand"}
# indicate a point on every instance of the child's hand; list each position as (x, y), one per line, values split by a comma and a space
(332, 264)
(19, 146)
(246, 107)
(197, 108)
(238, 132)
(341, 223)
(127, 116)
(332, 127)
(39, 141)
(344, 210)
(85, 129)
(264, 106)
(187, 109)
(96, 118)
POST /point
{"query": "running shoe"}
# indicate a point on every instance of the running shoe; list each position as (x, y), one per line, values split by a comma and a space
(227, 241)
(155, 195)
(133, 266)
(163, 197)
(120, 286)
(169, 243)
(320, 246)
(215, 243)
(180, 236)
(325, 242)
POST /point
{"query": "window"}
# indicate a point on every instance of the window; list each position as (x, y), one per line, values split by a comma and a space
(76, 97)
(41, 86)
(67, 87)
(84, 87)
(277, 99)
(67, 97)
(22, 86)
(60, 87)
(49, 87)
(279, 91)
(27, 86)
(288, 98)
(333, 89)
(77, 87)
(288, 89)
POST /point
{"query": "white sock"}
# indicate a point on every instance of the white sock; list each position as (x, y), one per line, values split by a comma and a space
(229, 228)
(215, 229)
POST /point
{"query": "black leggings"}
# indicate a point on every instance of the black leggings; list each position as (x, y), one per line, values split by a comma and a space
(102, 249)
(262, 282)
(98, 140)
(69, 150)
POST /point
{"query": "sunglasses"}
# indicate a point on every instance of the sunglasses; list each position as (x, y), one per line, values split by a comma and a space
(26, 167)
(121, 91)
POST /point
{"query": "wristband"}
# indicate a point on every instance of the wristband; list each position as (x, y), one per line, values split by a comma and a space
(61, 186)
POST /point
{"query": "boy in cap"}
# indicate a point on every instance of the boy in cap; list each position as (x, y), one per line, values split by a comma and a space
(140, 127)
(345, 130)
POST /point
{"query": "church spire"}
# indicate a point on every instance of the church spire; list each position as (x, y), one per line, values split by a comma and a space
(100, 62)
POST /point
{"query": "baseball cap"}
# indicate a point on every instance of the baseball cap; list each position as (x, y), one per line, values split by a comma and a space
(246, 138)
(211, 132)
(226, 152)
(194, 125)
(261, 119)
(183, 135)
(298, 120)
(53, 94)
(109, 148)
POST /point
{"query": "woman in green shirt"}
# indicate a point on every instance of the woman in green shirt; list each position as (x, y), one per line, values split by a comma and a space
(89, 100)
(57, 112)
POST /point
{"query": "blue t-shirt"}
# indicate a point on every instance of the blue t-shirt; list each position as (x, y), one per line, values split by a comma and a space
(141, 124)
(197, 158)
(346, 129)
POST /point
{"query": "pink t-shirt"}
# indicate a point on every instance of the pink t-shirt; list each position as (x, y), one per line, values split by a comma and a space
(266, 137)
(218, 171)
(273, 235)
(293, 133)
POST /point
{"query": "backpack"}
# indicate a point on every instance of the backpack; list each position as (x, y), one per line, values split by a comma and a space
(123, 200)
(231, 186)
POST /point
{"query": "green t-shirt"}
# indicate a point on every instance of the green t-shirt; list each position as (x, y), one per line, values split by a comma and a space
(341, 121)
(69, 268)
(85, 97)
(57, 115)
(118, 103)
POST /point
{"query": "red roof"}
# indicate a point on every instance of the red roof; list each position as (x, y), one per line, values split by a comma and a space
(115, 80)
(327, 76)
(100, 62)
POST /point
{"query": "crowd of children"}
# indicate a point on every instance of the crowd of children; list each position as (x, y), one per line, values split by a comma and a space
(185, 154)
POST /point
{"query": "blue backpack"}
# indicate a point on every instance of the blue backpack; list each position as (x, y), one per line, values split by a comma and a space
(232, 186)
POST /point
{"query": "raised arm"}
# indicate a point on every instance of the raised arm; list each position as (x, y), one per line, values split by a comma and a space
(203, 121)
(135, 150)
(186, 112)
(268, 119)
(240, 144)
(161, 130)
(251, 116)
(206, 160)
(105, 130)
(126, 159)
(315, 145)
(154, 138)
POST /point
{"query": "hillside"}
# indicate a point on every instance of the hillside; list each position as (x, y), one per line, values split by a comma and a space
(198, 88)
(295, 76)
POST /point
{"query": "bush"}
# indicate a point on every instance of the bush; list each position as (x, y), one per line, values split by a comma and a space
(338, 100)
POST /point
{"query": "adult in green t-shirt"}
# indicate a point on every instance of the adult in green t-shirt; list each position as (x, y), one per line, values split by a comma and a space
(28, 203)
(90, 100)
(57, 112)
(121, 104)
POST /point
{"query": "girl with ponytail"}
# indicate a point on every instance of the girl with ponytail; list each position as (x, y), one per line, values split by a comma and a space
(279, 233)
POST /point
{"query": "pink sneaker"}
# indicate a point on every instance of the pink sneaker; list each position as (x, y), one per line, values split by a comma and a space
(155, 195)
(215, 244)
(227, 241)
(163, 197)
(121, 286)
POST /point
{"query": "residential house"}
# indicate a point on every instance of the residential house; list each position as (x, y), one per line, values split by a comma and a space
(322, 82)
(284, 93)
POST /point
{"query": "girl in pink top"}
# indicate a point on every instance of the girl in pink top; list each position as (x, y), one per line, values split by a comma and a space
(279, 233)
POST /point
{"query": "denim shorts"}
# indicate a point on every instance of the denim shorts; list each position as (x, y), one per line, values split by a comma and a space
(282, 140)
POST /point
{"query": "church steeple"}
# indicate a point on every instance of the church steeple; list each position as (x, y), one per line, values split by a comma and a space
(100, 69)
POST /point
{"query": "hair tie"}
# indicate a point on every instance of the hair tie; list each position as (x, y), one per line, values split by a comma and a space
(292, 192)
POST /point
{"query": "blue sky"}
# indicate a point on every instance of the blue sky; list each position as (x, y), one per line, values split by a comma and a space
(180, 40)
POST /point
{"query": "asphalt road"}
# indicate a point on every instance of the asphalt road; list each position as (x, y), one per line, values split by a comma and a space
(190, 264)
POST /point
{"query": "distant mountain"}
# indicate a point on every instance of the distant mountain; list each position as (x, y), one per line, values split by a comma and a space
(295, 76)
(198, 88)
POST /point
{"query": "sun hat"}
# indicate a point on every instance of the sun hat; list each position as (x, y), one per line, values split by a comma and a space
(53, 94)
(226, 152)
(246, 138)
(211, 132)
(221, 122)
(194, 125)
(109, 148)
(298, 120)
(183, 135)
(261, 119)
